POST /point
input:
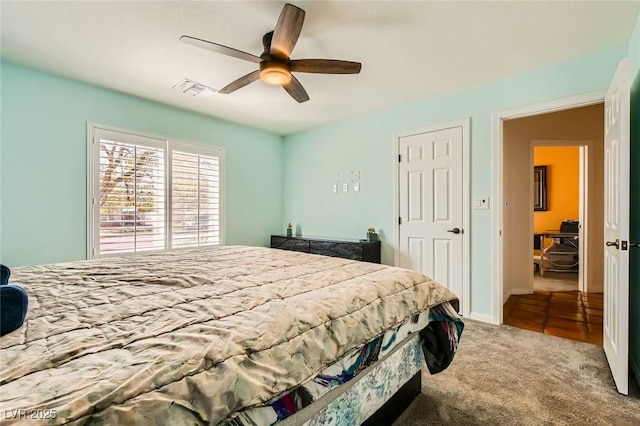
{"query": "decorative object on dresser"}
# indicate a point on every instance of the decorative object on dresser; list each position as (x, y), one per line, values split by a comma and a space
(289, 230)
(371, 234)
(367, 251)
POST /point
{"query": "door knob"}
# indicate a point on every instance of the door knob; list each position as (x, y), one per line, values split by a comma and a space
(455, 230)
(615, 243)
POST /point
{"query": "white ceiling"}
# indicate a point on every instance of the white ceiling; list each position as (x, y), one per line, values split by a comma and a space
(409, 50)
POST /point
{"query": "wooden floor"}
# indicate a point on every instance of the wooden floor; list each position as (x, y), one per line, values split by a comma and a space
(569, 314)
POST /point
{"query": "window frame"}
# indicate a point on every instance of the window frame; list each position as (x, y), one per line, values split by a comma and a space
(168, 145)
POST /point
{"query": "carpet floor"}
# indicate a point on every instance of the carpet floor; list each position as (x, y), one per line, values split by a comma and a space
(555, 281)
(504, 375)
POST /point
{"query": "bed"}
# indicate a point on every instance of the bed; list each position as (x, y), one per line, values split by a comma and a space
(216, 335)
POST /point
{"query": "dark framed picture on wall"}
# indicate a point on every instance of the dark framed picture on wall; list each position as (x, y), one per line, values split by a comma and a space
(540, 188)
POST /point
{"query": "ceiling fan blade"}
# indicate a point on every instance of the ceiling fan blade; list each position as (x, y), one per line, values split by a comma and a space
(325, 66)
(287, 31)
(241, 82)
(295, 89)
(218, 48)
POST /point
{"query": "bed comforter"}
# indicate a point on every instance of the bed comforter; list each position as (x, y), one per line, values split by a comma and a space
(192, 336)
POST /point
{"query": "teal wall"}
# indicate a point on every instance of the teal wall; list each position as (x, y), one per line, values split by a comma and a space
(43, 165)
(313, 158)
(43, 160)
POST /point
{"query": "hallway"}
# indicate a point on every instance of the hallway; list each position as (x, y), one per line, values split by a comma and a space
(569, 314)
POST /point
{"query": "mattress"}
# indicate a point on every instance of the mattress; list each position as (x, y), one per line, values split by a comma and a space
(193, 336)
(358, 361)
(368, 393)
(355, 401)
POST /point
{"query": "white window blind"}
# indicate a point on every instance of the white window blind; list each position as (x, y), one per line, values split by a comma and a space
(149, 194)
(195, 199)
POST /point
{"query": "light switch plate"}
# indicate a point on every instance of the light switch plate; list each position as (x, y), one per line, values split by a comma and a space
(335, 188)
(356, 186)
(481, 203)
(345, 187)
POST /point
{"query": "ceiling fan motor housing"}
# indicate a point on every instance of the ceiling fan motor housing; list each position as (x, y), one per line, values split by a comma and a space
(275, 72)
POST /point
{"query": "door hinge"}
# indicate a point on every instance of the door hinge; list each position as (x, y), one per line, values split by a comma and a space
(399, 221)
(399, 158)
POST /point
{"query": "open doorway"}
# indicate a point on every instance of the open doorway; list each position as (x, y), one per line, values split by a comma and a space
(559, 185)
(570, 143)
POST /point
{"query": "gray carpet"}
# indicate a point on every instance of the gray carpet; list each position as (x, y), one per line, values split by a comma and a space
(503, 375)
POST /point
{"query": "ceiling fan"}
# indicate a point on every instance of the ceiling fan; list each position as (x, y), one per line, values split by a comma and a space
(275, 65)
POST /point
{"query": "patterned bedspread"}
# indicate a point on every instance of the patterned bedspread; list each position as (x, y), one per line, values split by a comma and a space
(192, 336)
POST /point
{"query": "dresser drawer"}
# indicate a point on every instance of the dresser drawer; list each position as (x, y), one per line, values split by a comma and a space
(336, 249)
(286, 243)
(368, 251)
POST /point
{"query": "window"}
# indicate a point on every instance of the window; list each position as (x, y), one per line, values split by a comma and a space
(195, 198)
(149, 194)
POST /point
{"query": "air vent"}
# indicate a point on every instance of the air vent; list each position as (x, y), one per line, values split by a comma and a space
(190, 87)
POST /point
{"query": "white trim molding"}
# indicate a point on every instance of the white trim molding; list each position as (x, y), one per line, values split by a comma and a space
(497, 150)
(585, 225)
(167, 146)
(489, 319)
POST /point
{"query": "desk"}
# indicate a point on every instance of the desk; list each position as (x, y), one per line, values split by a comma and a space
(562, 254)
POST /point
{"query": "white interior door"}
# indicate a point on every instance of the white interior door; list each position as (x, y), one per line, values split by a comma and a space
(616, 228)
(431, 205)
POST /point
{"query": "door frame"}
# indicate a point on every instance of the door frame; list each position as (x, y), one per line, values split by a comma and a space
(583, 197)
(583, 279)
(498, 157)
(465, 123)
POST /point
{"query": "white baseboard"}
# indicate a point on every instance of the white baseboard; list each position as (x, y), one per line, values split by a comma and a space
(515, 291)
(482, 318)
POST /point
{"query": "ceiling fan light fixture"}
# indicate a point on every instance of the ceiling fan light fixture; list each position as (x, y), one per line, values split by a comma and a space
(275, 64)
(275, 73)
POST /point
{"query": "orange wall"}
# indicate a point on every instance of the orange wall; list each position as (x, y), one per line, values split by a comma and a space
(563, 180)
